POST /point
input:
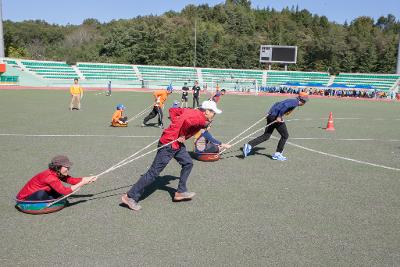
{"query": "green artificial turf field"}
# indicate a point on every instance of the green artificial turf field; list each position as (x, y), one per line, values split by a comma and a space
(341, 208)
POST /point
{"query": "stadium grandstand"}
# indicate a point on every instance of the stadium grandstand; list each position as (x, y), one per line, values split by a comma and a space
(54, 73)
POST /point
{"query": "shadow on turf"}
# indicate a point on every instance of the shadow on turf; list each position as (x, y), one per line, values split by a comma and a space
(253, 152)
(161, 183)
(152, 124)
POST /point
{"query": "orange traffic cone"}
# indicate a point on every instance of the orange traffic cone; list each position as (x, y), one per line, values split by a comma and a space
(329, 126)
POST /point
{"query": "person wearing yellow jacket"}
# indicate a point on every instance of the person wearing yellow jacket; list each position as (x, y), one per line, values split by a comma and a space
(76, 92)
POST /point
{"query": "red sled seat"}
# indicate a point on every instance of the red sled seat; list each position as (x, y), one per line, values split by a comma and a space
(206, 156)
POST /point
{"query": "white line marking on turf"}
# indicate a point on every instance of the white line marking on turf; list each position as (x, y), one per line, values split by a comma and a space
(219, 136)
(340, 157)
(80, 135)
(343, 139)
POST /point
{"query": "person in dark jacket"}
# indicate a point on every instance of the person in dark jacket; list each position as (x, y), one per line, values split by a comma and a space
(275, 116)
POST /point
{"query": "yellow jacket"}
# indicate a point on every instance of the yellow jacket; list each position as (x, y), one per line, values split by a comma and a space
(76, 90)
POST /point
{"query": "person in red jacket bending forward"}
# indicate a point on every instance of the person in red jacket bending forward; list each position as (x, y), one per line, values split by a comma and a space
(47, 185)
(184, 124)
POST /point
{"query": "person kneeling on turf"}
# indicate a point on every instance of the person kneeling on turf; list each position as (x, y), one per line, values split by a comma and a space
(275, 121)
(118, 118)
(184, 124)
(47, 185)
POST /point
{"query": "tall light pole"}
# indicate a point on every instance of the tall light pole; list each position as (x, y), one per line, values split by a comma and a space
(195, 43)
(398, 58)
(1, 30)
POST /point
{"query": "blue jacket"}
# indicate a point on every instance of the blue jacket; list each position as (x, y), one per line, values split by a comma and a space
(280, 108)
(210, 138)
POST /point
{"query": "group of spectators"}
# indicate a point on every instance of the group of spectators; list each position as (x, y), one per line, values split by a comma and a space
(357, 93)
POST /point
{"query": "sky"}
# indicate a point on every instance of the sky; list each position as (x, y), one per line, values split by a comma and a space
(75, 11)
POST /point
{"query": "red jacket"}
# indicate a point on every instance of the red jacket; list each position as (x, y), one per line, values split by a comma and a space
(184, 122)
(47, 180)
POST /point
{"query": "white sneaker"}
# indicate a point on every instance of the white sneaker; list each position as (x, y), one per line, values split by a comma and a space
(246, 150)
(278, 156)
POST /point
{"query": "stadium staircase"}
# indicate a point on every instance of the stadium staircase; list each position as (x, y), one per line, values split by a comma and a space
(80, 75)
(199, 76)
(264, 79)
(138, 74)
(331, 80)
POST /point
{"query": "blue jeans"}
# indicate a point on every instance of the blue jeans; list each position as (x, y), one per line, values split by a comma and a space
(163, 157)
(43, 195)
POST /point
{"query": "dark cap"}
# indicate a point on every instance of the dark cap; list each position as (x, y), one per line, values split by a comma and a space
(61, 161)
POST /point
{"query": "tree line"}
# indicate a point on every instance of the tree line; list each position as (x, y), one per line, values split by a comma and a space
(228, 35)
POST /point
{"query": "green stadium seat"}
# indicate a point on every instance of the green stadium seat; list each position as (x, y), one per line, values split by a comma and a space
(383, 82)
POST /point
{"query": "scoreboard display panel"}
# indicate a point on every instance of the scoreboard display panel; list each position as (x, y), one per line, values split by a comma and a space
(278, 54)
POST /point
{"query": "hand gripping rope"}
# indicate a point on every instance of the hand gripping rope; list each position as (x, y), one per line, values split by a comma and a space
(117, 165)
(140, 113)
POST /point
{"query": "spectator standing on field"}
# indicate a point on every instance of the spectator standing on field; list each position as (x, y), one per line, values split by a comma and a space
(109, 88)
(185, 95)
(196, 94)
(76, 92)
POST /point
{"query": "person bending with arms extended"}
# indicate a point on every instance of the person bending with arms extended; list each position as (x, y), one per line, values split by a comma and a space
(184, 124)
(216, 97)
(47, 185)
(276, 114)
(160, 96)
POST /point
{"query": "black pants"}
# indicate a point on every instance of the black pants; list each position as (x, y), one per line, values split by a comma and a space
(163, 157)
(156, 111)
(124, 119)
(280, 127)
(43, 195)
(195, 100)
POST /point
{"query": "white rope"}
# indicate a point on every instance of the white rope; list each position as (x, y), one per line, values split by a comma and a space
(140, 113)
(251, 126)
(247, 136)
(134, 154)
(263, 118)
(114, 167)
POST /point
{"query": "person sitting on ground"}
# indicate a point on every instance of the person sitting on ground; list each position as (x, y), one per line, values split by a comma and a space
(47, 185)
(204, 142)
(118, 116)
